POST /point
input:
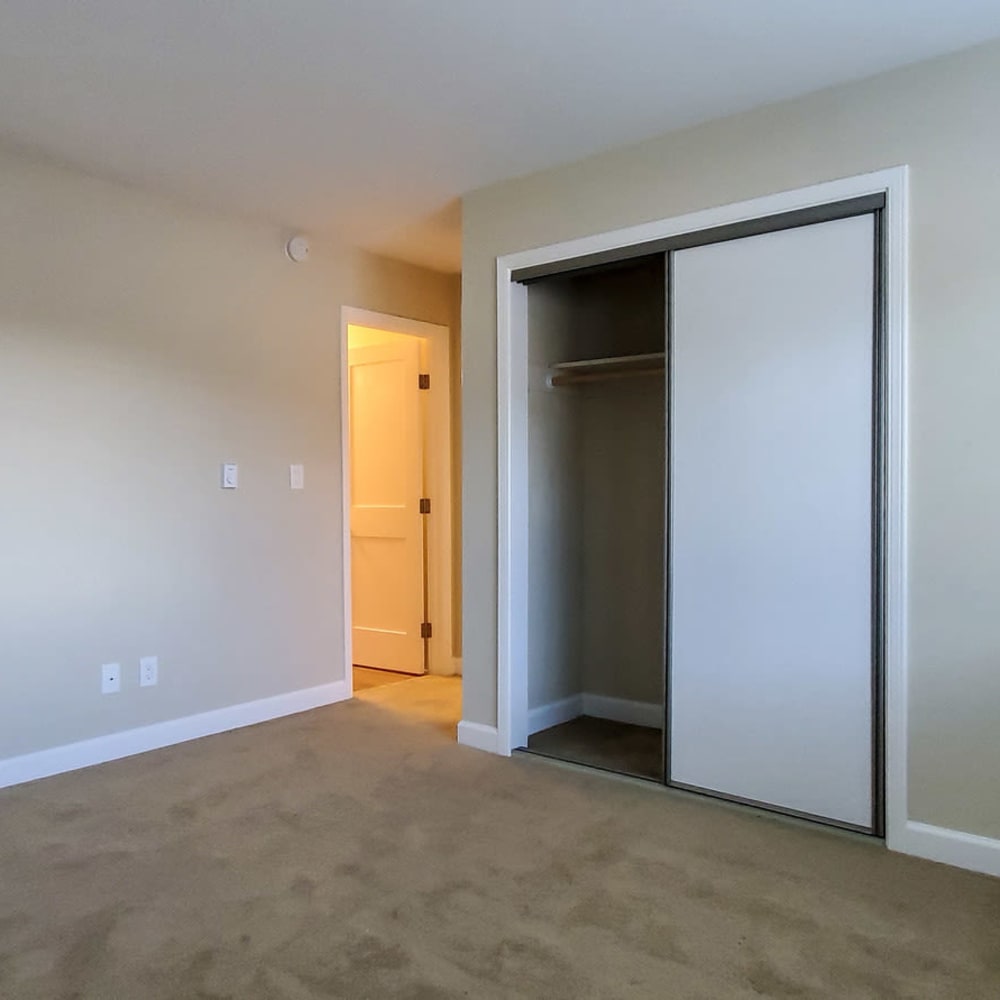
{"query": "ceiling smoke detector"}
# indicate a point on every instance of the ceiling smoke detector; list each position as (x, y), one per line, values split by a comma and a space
(297, 249)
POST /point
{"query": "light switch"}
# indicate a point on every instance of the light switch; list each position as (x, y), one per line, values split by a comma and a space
(230, 476)
(297, 477)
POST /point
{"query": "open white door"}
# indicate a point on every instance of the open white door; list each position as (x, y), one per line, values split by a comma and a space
(387, 535)
(771, 666)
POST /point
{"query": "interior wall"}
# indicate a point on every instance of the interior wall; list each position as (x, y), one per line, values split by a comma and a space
(940, 118)
(364, 336)
(623, 460)
(143, 343)
(596, 491)
(623, 523)
(555, 515)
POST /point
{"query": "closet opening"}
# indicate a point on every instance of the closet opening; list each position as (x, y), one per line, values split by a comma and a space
(596, 468)
(702, 463)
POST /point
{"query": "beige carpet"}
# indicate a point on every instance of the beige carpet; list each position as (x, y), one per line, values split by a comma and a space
(369, 677)
(436, 701)
(358, 852)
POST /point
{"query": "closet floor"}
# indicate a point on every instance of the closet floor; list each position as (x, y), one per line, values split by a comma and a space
(615, 746)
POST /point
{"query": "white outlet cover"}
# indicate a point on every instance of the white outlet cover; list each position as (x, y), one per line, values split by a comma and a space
(149, 669)
(297, 477)
(230, 476)
(111, 678)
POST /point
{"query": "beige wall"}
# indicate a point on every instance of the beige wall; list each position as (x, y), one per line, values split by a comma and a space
(596, 492)
(143, 343)
(941, 119)
(555, 513)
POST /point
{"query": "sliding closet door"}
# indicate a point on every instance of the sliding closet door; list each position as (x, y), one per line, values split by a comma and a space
(770, 666)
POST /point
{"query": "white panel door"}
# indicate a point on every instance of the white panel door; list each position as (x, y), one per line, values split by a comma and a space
(387, 535)
(771, 545)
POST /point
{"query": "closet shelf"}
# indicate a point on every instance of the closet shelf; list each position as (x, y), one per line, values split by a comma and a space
(601, 369)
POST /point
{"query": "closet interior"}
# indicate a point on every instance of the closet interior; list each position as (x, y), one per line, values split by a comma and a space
(597, 447)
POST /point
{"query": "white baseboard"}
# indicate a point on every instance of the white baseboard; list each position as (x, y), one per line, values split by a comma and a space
(101, 749)
(456, 665)
(638, 713)
(598, 706)
(554, 713)
(478, 736)
(951, 847)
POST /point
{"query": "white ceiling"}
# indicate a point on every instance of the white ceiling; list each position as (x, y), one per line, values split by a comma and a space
(367, 119)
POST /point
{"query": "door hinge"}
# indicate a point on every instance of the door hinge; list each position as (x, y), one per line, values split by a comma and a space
(426, 632)
(424, 381)
(425, 505)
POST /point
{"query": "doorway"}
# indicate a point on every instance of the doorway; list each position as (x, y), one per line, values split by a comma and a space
(388, 497)
(398, 571)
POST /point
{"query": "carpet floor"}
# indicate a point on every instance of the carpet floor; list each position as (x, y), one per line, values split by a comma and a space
(357, 852)
(369, 677)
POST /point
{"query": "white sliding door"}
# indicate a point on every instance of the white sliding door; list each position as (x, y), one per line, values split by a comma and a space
(771, 519)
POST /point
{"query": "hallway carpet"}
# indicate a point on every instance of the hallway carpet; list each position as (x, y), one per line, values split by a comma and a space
(436, 701)
(369, 677)
(357, 852)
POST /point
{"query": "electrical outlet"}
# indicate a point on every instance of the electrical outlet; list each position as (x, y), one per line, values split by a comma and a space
(149, 667)
(111, 678)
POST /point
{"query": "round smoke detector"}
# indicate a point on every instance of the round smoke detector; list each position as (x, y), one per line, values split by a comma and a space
(297, 249)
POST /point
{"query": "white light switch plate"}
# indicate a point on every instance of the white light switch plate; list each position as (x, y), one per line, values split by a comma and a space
(297, 477)
(111, 678)
(230, 476)
(149, 668)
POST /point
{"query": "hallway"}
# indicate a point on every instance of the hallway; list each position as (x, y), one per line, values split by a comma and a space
(427, 699)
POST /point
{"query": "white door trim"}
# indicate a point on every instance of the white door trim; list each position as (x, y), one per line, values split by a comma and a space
(512, 451)
(439, 472)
